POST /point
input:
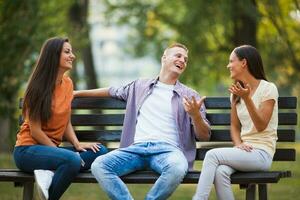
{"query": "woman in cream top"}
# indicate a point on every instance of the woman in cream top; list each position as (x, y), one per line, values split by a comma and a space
(265, 139)
(254, 119)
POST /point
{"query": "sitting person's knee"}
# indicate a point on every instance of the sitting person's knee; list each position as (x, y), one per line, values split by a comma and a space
(102, 149)
(211, 154)
(223, 171)
(178, 168)
(97, 164)
(73, 162)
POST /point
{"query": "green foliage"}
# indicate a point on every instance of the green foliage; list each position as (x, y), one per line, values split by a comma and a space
(209, 29)
(24, 26)
(279, 43)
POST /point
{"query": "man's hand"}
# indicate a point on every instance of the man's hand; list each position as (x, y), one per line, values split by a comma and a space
(192, 106)
(75, 93)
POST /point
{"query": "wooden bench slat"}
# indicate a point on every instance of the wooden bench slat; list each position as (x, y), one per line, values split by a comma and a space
(287, 102)
(281, 154)
(97, 103)
(210, 103)
(259, 177)
(287, 154)
(15, 175)
(97, 120)
(224, 119)
(216, 119)
(99, 135)
(224, 103)
(142, 177)
(222, 135)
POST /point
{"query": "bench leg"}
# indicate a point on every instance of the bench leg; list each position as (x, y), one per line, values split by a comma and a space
(250, 192)
(28, 191)
(262, 192)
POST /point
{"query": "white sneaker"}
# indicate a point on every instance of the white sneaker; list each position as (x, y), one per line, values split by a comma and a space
(43, 179)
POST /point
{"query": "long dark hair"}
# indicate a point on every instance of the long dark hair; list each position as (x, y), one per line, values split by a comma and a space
(254, 63)
(38, 94)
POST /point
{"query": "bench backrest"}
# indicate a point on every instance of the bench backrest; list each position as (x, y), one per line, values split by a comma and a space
(101, 119)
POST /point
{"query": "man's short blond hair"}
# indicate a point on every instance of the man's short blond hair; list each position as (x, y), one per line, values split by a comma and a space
(177, 45)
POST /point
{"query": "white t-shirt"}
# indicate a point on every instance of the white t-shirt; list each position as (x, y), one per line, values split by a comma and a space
(265, 140)
(155, 121)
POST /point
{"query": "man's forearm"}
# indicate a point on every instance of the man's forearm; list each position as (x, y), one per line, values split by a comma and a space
(202, 130)
(101, 92)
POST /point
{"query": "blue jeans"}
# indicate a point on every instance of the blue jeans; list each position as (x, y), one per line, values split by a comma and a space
(163, 158)
(64, 160)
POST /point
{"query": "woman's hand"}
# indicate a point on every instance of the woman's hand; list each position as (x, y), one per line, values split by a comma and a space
(84, 146)
(245, 147)
(238, 90)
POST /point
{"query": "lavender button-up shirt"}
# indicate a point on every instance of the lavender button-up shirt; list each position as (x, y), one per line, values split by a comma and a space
(135, 94)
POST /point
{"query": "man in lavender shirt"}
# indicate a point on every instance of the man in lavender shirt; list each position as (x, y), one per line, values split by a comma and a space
(163, 117)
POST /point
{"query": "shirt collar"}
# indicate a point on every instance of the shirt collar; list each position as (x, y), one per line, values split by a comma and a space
(178, 87)
(154, 81)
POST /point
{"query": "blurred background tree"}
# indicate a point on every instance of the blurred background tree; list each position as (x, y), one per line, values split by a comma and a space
(210, 29)
(24, 26)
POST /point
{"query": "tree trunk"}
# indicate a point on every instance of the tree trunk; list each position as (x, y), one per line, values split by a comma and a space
(244, 17)
(90, 72)
(74, 75)
(78, 16)
(4, 125)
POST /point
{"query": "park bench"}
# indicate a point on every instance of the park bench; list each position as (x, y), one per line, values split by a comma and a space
(101, 119)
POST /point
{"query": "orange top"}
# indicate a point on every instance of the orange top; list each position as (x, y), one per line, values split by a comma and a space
(61, 111)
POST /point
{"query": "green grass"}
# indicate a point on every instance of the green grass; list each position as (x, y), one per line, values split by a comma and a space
(286, 189)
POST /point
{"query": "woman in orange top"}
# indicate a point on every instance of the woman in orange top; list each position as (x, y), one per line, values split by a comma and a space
(47, 110)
